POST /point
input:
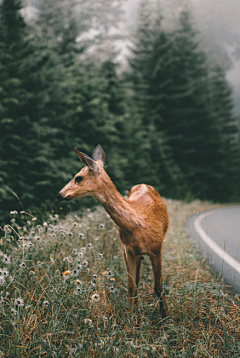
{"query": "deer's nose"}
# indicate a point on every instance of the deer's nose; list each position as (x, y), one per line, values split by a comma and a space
(59, 197)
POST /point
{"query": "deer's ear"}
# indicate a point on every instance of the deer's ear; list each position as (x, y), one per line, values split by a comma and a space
(92, 165)
(99, 154)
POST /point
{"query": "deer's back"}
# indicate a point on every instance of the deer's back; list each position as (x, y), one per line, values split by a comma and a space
(149, 204)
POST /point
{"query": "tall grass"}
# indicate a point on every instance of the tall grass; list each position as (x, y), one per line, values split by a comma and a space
(64, 293)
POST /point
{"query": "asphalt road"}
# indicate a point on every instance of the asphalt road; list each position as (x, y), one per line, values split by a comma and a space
(217, 233)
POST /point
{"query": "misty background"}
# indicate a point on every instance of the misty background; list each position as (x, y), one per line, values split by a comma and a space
(156, 83)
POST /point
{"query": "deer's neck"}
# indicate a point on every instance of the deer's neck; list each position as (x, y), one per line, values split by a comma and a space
(116, 206)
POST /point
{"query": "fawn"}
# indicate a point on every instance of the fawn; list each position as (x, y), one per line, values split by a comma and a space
(142, 218)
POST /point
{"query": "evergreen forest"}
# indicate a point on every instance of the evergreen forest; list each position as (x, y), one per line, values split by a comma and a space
(165, 120)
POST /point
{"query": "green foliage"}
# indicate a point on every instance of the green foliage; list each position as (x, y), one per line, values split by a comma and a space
(167, 122)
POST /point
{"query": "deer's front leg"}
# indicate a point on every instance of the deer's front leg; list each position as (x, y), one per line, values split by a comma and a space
(133, 268)
(157, 270)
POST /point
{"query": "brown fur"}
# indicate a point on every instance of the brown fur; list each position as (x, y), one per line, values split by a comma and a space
(142, 220)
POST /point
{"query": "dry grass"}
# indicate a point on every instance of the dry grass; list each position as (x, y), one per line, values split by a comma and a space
(60, 318)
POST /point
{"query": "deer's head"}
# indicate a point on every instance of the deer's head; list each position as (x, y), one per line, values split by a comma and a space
(88, 180)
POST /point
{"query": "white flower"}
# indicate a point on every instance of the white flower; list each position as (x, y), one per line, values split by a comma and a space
(4, 272)
(66, 274)
(83, 249)
(45, 224)
(29, 223)
(7, 229)
(101, 226)
(45, 303)
(109, 274)
(75, 272)
(18, 302)
(14, 212)
(52, 260)
(95, 275)
(85, 263)
(81, 235)
(2, 281)
(6, 259)
(68, 259)
(100, 256)
(111, 289)
(79, 267)
(13, 220)
(88, 321)
(80, 254)
(89, 245)
(34, 219)
(95, 297)
(23, 264)
(75, 251)
(78, 291)
(22, 212)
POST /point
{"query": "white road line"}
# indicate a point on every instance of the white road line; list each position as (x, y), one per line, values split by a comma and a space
(217, 249)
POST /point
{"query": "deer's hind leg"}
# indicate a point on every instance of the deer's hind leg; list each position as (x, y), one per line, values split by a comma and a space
(157, 271)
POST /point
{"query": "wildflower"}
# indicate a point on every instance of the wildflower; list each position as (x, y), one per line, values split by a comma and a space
(14, 212)
(79, 267)
(4, 272)
(19, 302)
(66, 274)
(109, 274)
(81, 235)
(38, 238)
(100, 256)
(68, 259)
(75, 272)
(112, 289)
(83, 249)
(95, 297)
(6, 259)
(29, 223)
(96, 238)
(89, 217)
(22, 212)
(2, 281)
(80, 254)
(45, 224)
(11, 278)
(13, 220)
(34, 219)
(45, 303)
(7, 229)
(75, 251)
(95, 275)
(89, 245)
(78, 291)
(70, 234)
(13, 311)
(22, 264)
(101, 226)
(88, 321)
(85, 263)
(56, 216)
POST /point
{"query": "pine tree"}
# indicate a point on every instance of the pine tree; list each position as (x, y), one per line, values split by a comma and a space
(30, 102)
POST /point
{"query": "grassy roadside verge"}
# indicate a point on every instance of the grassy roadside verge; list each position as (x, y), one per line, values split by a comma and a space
(85, 312)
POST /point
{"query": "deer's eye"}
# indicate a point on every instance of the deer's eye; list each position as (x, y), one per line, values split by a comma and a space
(78, 179)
